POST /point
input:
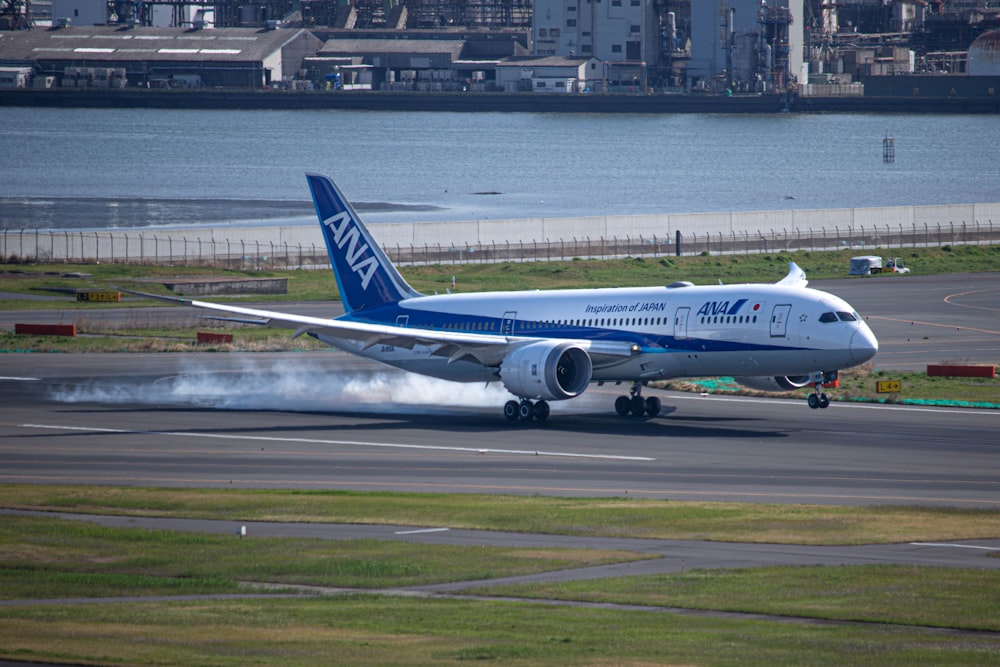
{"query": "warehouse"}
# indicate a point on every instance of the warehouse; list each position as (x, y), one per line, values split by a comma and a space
(120, 56)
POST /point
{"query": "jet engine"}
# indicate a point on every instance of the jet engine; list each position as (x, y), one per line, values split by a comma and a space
(547, 370)
(777, 383)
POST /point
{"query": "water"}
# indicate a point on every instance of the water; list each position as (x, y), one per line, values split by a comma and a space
(73, 168)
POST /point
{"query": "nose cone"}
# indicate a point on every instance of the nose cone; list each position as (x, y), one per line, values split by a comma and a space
(864, 345)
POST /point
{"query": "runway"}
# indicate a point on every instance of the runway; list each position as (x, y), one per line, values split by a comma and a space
(327, 420)
(136, 420)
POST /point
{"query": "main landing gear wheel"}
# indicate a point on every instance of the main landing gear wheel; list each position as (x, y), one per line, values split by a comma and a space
(623, 405)
(637, 405)
(526, 410)
(653, 406)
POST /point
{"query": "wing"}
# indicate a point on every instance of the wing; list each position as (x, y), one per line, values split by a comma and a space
(488, 350)
(796, 276)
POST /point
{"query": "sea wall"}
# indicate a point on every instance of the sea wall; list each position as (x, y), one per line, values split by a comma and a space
(490, 102)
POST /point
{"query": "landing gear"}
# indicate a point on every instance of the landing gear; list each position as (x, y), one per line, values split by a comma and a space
(635, 404)
(818, 399)
(526, 410)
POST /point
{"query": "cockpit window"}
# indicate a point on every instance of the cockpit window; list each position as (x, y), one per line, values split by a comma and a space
(846, 317)
(828, 317)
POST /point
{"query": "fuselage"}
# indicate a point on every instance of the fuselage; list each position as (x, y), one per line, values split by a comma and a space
(747, 329)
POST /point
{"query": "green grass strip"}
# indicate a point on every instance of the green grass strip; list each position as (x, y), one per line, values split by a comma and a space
(39, 554)
(927, 596)
(364, 630)
(599, 517)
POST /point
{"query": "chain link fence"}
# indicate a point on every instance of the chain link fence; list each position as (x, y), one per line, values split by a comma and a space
(88, 247)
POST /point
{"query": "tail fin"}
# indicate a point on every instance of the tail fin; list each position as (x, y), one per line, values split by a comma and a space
(365, 275)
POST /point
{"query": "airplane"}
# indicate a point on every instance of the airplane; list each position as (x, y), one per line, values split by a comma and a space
(552, 345)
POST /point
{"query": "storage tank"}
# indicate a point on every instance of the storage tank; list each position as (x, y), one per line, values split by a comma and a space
(984, 55)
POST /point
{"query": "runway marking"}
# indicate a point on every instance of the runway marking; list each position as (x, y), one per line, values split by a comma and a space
(948, 300)
(956, 546)
(422, 530)
(17, 379)
(353, 443)
(935, 324)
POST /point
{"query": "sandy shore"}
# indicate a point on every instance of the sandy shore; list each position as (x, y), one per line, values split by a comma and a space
(57, 213)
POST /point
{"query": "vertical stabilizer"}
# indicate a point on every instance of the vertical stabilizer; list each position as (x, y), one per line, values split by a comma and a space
(365, 275)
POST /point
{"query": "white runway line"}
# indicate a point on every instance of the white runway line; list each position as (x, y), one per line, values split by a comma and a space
(955, 546)
(352, 443)
(422, 530)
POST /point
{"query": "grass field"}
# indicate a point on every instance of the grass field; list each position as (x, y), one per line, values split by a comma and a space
(881, 615)
(598, 517)
(319, 285)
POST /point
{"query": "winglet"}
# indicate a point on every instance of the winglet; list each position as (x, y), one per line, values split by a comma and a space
(796, 276)
(365, 275)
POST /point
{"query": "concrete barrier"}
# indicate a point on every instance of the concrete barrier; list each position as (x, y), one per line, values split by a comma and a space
(208, 337)
(45, 329)
(963, 371)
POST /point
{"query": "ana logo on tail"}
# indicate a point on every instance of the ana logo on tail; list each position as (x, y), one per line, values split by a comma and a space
(344, 233)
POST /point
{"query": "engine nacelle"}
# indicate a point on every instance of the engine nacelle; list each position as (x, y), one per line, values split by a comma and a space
(547, 370)
(777, 383)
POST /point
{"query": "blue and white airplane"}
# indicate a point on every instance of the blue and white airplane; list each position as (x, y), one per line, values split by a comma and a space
(551, 345)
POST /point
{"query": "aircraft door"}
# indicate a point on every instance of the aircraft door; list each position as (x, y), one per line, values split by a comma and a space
(779, 320)
(403, 321)
(507, 326)
(681, 322)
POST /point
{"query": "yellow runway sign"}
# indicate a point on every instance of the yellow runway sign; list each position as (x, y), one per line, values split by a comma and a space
(104, 297)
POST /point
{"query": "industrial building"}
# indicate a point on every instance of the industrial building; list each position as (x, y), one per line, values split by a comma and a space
(750, 46)
(550, 74)
(120, 56)
(423, 60)
(808, 47)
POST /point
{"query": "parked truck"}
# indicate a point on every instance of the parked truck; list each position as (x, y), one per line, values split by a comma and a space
(867, 265)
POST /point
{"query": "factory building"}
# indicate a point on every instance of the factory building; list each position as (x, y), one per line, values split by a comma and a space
(746, 45)
(120, 56)
(609, 30)
(422, 60)
(550, 74)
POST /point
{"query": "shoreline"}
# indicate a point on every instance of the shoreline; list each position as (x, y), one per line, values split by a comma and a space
(485, 102)
(157, 214)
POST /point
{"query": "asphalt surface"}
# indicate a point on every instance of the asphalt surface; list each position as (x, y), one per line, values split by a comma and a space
(327, 420)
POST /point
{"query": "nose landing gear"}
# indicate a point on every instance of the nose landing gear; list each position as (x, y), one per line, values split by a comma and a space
(818, 399)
